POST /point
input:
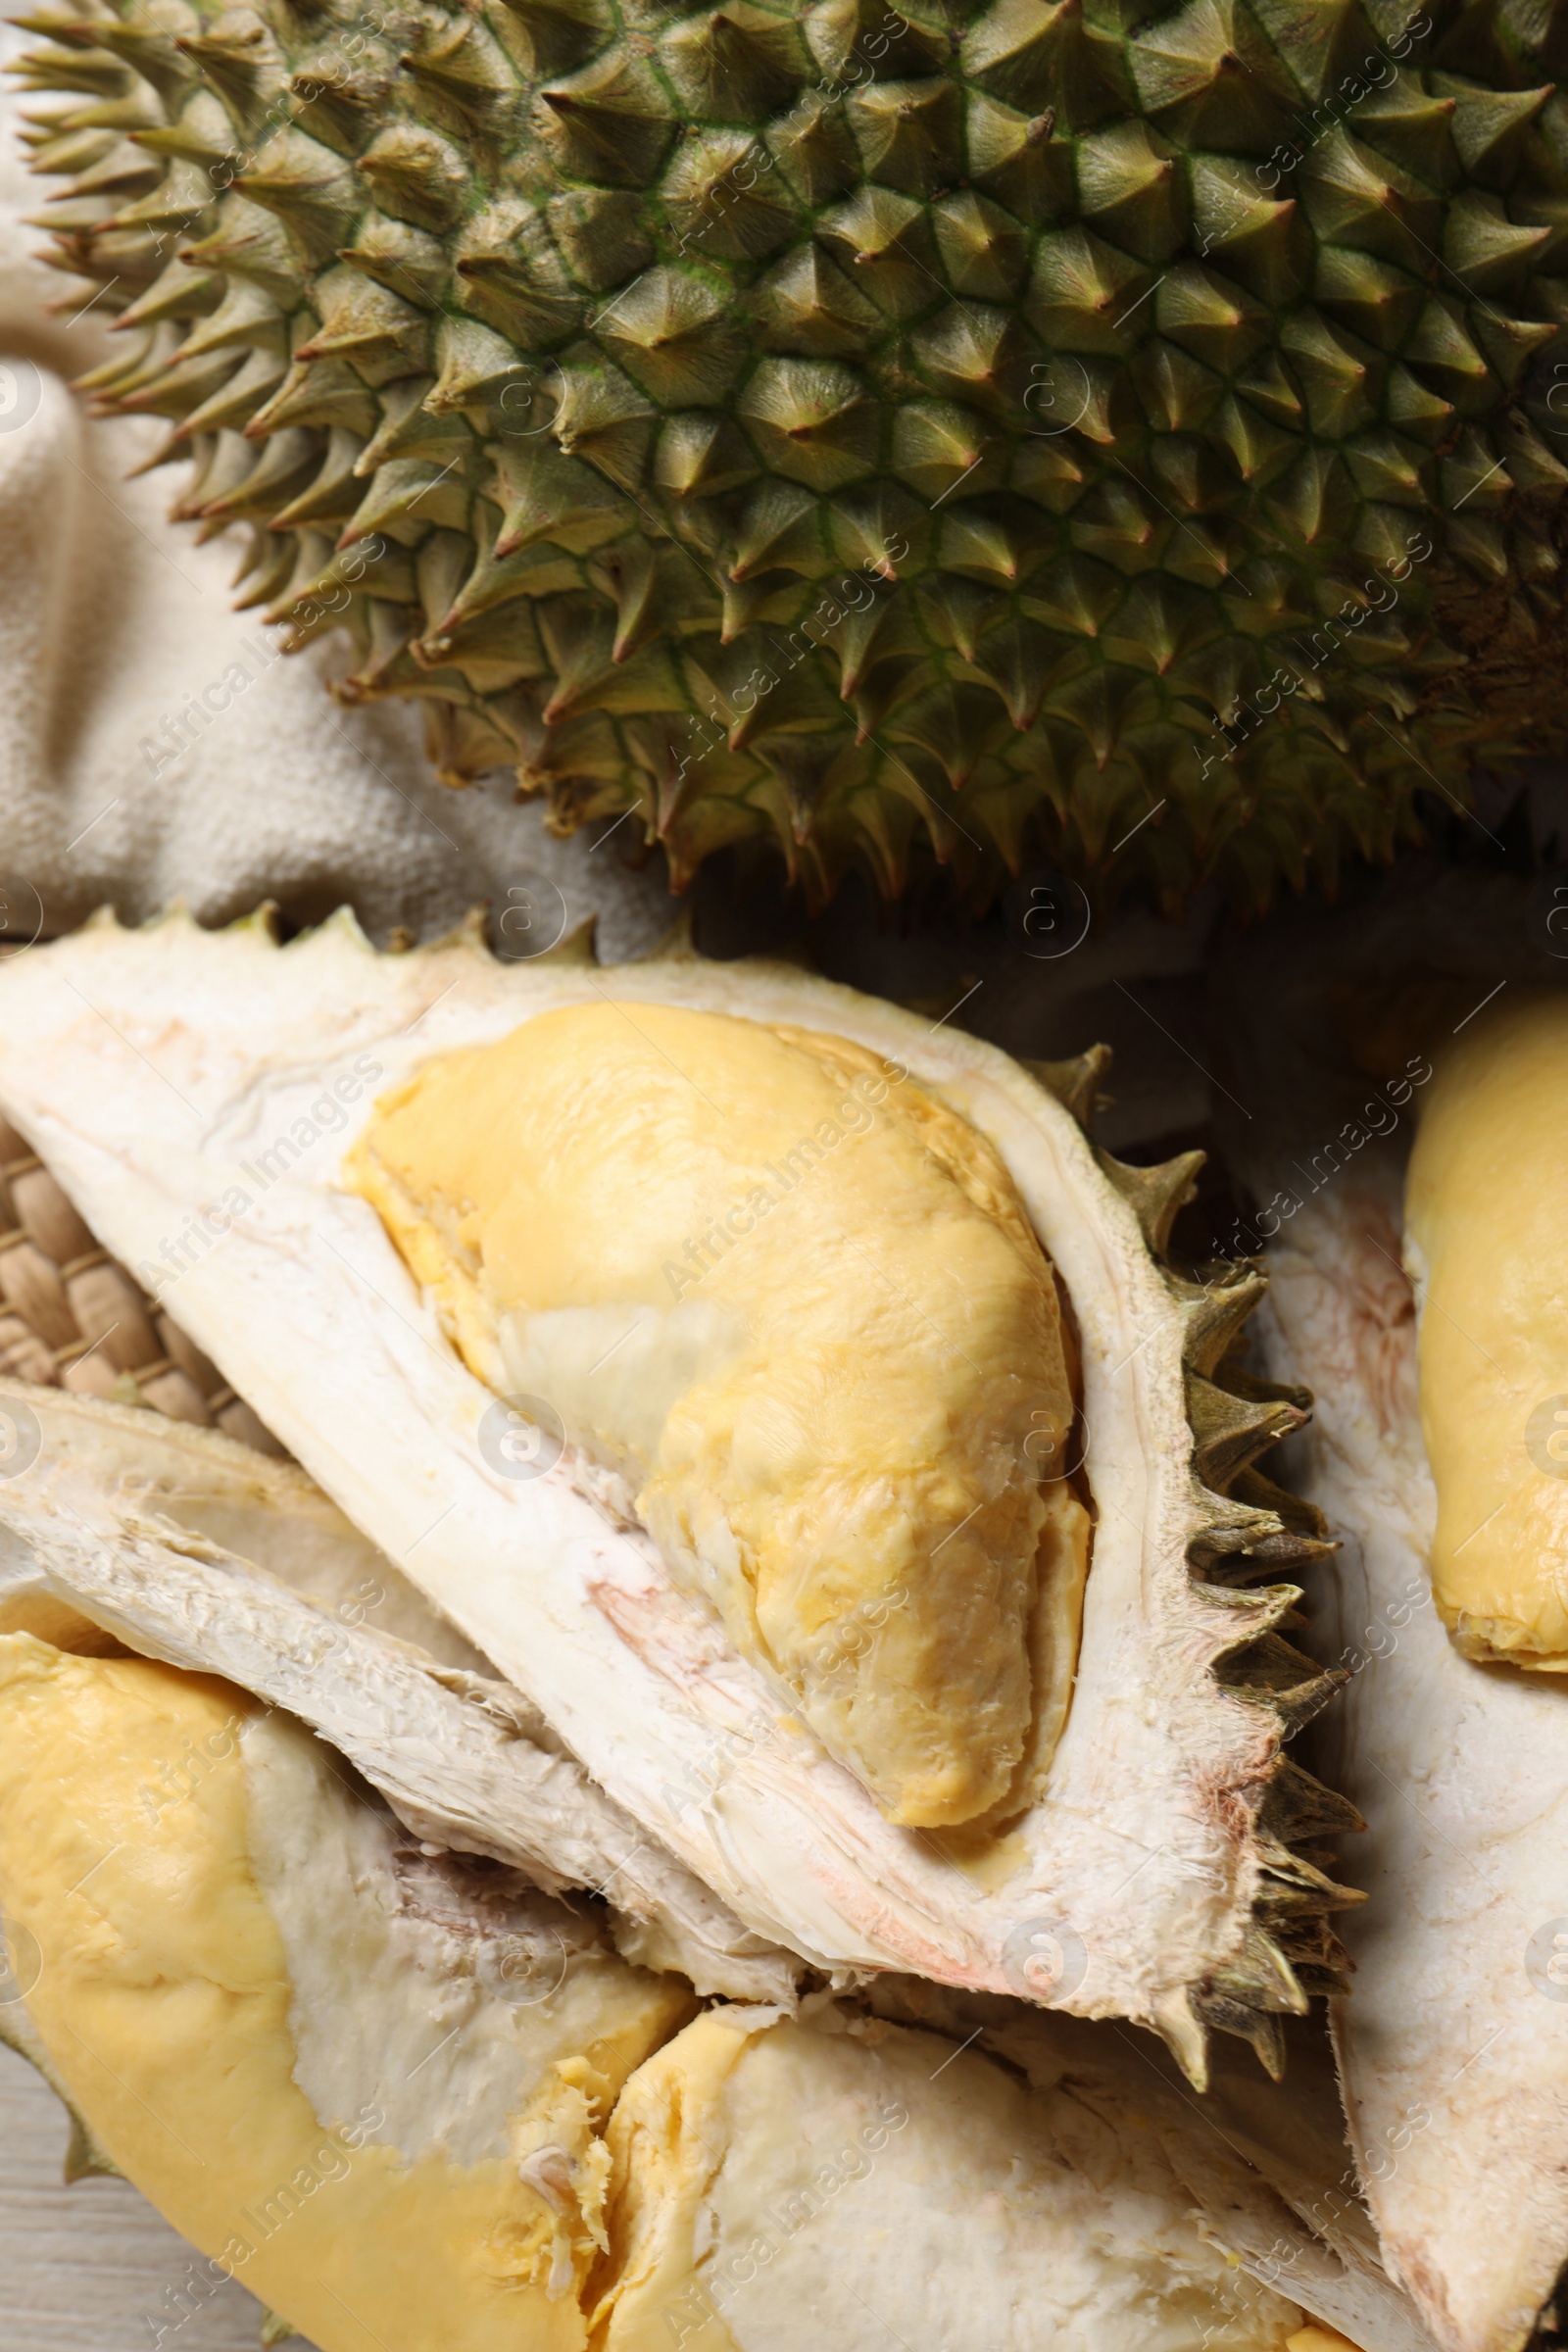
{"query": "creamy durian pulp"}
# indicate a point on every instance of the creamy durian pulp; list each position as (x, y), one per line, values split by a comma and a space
(1487, 1238)
(793, 1304)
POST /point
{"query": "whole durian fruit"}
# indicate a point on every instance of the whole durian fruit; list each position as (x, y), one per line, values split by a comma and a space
(1038, 429)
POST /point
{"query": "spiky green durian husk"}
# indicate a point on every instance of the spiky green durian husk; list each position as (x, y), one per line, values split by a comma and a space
(1043, 429)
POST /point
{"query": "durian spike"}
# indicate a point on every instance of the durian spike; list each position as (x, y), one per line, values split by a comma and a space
(1217, 1311)
(1155, 1195)
(1076, 1083)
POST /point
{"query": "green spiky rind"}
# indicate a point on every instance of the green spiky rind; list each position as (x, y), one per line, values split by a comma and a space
(85, 2159)
(1247, 1533)
(883, 433)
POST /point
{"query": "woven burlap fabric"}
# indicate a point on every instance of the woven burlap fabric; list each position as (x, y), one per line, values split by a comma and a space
(72, 1317)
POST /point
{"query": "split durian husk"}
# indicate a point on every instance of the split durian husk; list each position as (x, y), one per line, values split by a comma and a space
(1159, 1857)
(1451, 2045)
(135, 1529)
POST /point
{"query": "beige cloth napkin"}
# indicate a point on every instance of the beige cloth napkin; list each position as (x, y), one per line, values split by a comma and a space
(115, 625)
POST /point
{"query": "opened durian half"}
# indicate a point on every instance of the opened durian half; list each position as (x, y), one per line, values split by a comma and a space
(414, 2101)
(342, 2029)
(850, 1554)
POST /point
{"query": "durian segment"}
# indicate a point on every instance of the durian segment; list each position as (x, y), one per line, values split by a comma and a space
(795, 1303)
(425, 2166)
(829, 2181)
(169, 1075)
(1487, 1246)
(112, 1523)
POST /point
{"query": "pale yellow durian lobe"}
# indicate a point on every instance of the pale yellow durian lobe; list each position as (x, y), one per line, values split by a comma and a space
(164, 1999)
(1487, 1238)
(793, 1303)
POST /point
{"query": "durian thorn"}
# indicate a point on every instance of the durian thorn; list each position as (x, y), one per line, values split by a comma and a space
(1230, 1432)
(165, 454)
(194, 44)
(1076, 1083)
(1254, 1610)
(1293, 1876)
(1294, 1707)
(1180, 2027)
(1215, 1313)
(53, 24)
(1295, 1806)
(1259, 1976)
(85, 2159)
(1155, 1194)
(1257, 2027)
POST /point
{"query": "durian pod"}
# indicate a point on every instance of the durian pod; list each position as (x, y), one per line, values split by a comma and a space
(287, 1280)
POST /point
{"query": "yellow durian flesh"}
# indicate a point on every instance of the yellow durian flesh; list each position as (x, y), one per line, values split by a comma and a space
(793, 1303)
(166, 2001)
(1487, 1237)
